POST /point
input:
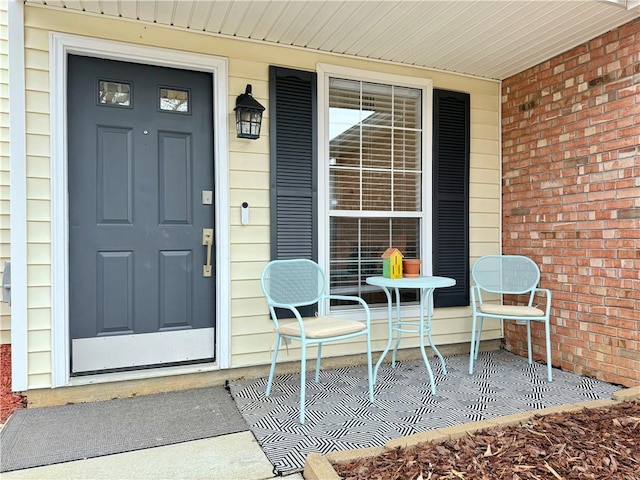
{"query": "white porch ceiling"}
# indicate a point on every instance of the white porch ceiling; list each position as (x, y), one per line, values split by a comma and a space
(486, 38)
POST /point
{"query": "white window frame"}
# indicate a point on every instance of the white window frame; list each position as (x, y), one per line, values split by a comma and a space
(325, 72)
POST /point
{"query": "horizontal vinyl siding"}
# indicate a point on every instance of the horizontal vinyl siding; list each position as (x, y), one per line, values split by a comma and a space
(484, 196)
(38, 207)
(5, 219)
(251, 329)
(485, 183)
(39, 318)
(39, 370)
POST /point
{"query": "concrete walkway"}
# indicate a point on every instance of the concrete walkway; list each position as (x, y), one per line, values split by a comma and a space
(228, 457)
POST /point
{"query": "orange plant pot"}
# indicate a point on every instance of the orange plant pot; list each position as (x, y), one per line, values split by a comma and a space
(411, 267)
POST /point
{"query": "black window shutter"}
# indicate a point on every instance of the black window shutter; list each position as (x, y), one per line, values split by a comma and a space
(294, 184)
(294, 160)
(451, 145)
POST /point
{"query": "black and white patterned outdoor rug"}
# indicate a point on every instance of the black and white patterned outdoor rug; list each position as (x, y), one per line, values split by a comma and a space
(339, 415)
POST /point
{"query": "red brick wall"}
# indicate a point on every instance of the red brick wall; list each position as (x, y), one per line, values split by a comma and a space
(571, 200)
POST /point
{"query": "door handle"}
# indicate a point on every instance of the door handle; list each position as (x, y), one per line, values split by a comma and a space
(207, 239)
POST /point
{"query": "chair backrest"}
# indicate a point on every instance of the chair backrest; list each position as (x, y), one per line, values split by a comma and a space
(293, 282)
(506, 274)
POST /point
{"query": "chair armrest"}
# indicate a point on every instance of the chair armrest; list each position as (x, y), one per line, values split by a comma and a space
(285, 306)
(359, 300)
(476, 296)
(547, 294)
(298, 317)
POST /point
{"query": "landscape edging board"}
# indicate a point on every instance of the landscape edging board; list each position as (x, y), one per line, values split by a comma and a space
(320, 467)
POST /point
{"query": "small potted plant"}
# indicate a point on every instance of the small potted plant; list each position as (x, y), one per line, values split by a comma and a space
(411, 267)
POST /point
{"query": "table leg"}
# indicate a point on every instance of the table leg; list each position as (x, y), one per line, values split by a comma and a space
(398, 330)
(389, 334)
(431, 343)
(421, 334)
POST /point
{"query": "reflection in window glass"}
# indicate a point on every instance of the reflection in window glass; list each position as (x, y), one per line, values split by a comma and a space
(356, 251)
(375, 181)
(172, 100)
(114, 93)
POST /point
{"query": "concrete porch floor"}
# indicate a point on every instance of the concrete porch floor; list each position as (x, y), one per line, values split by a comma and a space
(228, 457)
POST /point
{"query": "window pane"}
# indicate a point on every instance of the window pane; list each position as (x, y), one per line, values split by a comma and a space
(377, 194)
(172, 100)
(345, 260)
(406, 187)
(114, 93)
(405, 235)
(407, 150)
(344, 189)
(375, 166)
(377, 99)
(376, 147)
(345, 116)
(376, 191)
(345, 151)
(357, 245)
(407, 108)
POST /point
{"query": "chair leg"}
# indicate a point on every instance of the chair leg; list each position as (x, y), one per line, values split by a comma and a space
(548, 341)
(478, 338)
(273, 365)
(472, 349)
(529, 342)
(318, 362)
(369, 367)
(303, 380)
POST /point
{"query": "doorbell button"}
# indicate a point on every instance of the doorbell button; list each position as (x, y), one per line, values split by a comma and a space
(245, 213)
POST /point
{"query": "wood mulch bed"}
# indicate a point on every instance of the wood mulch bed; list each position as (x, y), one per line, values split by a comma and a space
(9, 402)
(598, 443)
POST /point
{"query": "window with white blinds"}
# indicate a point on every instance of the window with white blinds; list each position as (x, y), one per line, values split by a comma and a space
(375, 173)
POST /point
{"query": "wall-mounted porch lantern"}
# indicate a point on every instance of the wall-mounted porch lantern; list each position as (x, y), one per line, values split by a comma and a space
(248, 115)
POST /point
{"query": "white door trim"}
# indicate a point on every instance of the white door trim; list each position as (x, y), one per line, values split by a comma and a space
(18, 196)
(60, 45)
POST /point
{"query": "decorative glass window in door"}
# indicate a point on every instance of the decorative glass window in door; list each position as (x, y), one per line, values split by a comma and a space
(114, 93)
(174, 100)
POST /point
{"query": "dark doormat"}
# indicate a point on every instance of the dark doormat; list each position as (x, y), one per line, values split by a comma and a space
(44, 436)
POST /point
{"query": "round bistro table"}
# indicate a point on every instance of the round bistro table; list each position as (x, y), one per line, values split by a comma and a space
(427, 286)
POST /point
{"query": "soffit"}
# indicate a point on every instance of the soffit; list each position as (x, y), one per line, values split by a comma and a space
(485, 38)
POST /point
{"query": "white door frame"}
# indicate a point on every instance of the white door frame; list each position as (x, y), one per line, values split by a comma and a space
(60, 45)
(18, 196)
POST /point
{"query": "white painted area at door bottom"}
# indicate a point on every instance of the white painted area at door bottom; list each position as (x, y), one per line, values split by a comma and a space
(123, 351)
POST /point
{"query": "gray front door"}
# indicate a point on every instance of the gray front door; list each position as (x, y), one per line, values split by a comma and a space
(140, 215)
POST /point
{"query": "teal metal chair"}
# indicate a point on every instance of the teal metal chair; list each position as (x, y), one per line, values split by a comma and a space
(292, 284)
(508, 275)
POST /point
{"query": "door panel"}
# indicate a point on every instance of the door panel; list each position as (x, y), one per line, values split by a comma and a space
(175, 178)
(140, 154)
(114, 173)
(114, 277)
(176, 289)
